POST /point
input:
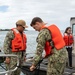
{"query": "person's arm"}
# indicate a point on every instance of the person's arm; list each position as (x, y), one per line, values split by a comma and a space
(7, 42)
(7, 45)
(43, 36)
(24, 53)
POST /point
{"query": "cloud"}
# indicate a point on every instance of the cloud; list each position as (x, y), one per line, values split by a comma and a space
(51, 11)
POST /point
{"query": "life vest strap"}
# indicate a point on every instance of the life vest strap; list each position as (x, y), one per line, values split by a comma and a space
(51, 43)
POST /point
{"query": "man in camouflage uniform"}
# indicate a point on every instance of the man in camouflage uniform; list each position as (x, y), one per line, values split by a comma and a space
(56, 61)
(11, 61)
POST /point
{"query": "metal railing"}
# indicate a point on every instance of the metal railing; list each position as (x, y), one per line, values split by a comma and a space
(10, 55)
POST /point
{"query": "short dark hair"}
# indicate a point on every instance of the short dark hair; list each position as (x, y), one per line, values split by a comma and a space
(36, 19)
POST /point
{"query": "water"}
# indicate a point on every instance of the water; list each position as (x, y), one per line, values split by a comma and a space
(31, 42)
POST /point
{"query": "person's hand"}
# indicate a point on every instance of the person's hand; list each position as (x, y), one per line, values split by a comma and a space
(7, 60)
(32, 68)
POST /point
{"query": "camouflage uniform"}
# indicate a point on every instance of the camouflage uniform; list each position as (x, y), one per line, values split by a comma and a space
(56, 61)
(7, 50)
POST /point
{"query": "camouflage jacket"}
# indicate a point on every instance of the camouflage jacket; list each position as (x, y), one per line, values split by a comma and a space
(43, 36)
(7, 44)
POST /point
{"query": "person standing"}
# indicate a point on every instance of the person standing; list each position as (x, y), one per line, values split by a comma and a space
(50, 40)
(15, 43)
(69, 40)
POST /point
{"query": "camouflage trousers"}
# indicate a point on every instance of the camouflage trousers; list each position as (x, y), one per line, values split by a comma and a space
(13, 64)
(16, 72)
(57, 62)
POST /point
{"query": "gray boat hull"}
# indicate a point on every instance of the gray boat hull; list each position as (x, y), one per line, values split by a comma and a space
(42, 69)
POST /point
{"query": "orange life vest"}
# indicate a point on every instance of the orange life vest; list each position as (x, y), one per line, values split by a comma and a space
(19, 41)
(56, 39)
(68, 39)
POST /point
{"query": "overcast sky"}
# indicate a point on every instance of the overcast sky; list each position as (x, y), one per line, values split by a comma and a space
(56, 12)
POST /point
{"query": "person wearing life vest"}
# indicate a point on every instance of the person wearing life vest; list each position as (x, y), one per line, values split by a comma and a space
(19, 42)
(54, 41)
(50, 40)
(15, 43)
(69, 40)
